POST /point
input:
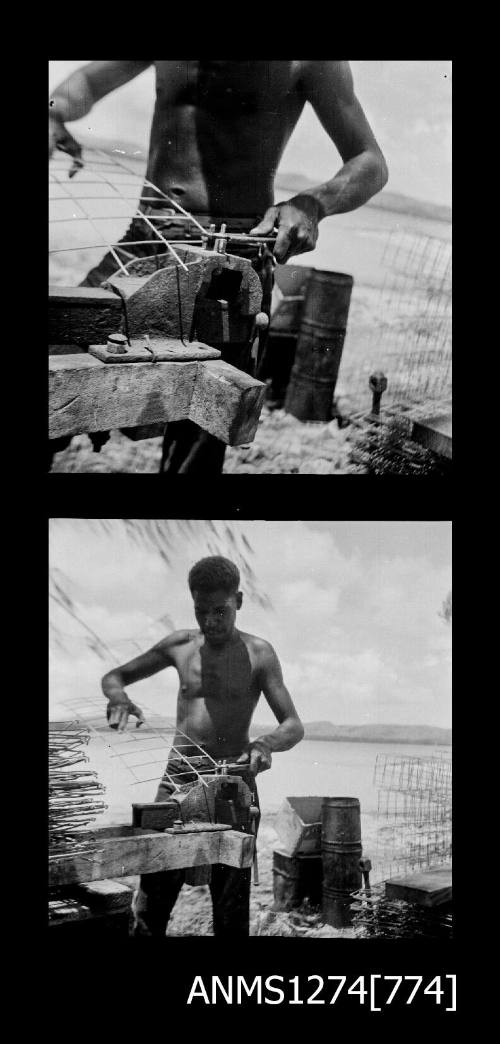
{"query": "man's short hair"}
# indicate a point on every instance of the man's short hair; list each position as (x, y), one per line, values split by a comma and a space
(213, 574)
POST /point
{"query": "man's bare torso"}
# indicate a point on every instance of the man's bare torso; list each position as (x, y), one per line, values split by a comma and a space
(219, 130)
(218, 690)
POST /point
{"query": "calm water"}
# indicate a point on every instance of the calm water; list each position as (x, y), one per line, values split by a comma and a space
(329, 768)
(312, 768)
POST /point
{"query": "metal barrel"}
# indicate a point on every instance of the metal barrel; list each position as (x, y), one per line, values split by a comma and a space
(292, 281)
(341, 852)
(319, 346)
(294, 879)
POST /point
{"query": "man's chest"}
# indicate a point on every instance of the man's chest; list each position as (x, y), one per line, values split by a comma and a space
(226, 86)
(214, 675)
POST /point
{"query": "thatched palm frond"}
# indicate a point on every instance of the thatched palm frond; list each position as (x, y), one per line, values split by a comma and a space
(162, 537)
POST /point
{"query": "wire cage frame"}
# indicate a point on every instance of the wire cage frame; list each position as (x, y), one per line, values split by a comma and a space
(107, 183)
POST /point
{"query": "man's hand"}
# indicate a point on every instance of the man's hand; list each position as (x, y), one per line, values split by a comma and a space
(259, 757)
(297, 224)
(60, 138)
(118, 710)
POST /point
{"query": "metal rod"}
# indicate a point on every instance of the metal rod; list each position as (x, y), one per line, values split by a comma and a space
(108, 245)
(149, 223)
(163, 240)
(230, 236)
(150, 184)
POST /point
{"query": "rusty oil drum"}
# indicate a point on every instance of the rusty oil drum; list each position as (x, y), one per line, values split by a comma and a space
(341, 852)
(295, 878)
(319, 346)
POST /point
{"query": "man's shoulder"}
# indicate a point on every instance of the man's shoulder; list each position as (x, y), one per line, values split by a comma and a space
(178, 638)
(259, 646)
(316, 72)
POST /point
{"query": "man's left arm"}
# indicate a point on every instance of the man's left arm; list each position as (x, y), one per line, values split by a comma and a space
(328, 86)
(290, 729)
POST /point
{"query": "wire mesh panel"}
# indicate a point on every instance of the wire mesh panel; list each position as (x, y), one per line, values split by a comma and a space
(411, 341)
(414, 813)
(145, 751)
(90, 213)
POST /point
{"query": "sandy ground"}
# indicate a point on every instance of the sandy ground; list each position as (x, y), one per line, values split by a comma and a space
(282, 445)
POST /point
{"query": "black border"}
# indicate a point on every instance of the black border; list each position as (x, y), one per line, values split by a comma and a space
(143, 984)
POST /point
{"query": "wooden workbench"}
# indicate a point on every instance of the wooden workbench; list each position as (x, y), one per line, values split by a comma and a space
(125, 851)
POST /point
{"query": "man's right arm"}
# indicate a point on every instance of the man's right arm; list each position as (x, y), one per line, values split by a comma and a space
(76, 95)
(143, 666)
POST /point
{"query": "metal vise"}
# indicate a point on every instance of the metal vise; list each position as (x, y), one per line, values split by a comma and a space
(214, 300)
(228, 799)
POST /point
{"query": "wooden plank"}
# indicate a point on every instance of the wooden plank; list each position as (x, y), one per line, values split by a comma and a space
(87, 395)
(104, 895)
(435, 433)
(93, 920)
(83, 315)
(236, 849)
(226, 402)
(140, 852)
(67, 349)
(67, 910)
(426, 888)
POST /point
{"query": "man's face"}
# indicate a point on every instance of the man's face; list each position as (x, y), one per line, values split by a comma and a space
(215, 612)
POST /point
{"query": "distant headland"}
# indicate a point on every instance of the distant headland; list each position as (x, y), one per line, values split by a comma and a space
(325, 730)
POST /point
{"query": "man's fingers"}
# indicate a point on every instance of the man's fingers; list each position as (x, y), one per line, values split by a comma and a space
(66, 143)
(116, 717)
(243, 758)
(283, 248)
(122, 724)
(267, 224)
(75, 167)
(134, 709)
(259, 762)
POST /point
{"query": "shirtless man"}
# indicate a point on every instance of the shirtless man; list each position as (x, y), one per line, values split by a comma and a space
(222, 673)
(219, 130)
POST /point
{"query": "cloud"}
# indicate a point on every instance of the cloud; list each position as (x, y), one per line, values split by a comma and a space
(356, 628)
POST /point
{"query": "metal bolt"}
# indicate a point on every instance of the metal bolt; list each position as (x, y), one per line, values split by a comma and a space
(220, 244)
(177, 825)
(378, 384)
(206, 240)
(117, 344)
(365, 866)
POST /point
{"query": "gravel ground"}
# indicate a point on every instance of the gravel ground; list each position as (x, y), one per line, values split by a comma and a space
(282, 445)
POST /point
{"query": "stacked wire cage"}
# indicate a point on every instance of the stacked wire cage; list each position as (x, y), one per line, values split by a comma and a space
(412, 347)
(75, 793)
(414, 832)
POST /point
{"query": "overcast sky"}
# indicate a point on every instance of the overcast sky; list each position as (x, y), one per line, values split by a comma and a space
(354, 620)
(407, 103)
